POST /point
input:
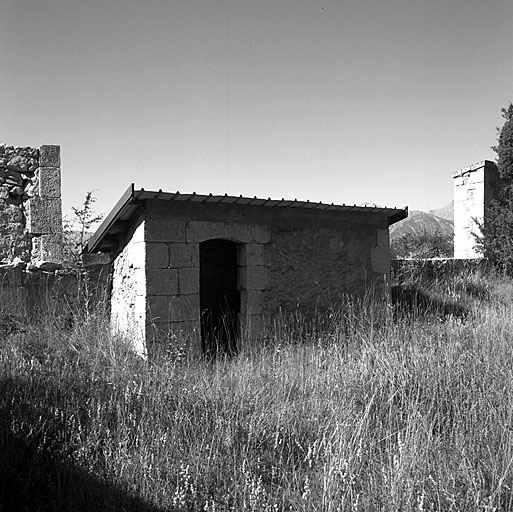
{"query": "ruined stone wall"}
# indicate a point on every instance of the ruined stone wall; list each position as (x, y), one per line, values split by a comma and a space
(34, 294)
(18, 180)
(30, 204)
(128, 295)
(32, 280)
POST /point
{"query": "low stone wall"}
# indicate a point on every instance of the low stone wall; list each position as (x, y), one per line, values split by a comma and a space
(29, 292)
(407, 271)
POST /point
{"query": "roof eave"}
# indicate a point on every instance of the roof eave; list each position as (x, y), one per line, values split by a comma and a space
(109, 221)
(131, 198)
(397, 215)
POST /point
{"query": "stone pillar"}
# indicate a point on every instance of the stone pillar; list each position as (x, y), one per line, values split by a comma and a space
(380, 262)
(474, 188)
(128, 293)
(44, 208)
(253, 284)
(172, 288)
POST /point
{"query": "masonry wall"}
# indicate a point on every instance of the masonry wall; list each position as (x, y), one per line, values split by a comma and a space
(30, 204)
(31, 232)
(36, 294)
(474, 187)
(422, 272)
(18, 180)
(315, 268)
(285, 258)
(128, 295)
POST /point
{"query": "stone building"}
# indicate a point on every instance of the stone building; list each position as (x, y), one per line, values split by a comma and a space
(474, 188)
(216, 267)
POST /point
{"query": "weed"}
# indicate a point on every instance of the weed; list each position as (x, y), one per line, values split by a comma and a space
(359, 410)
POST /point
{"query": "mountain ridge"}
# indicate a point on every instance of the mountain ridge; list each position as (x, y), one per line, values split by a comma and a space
(441, 219)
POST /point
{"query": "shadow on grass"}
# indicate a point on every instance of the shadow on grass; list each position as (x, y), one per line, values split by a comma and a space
(410, 299)
(37, 471)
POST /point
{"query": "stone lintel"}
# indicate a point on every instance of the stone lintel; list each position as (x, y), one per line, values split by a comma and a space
(200, 231)
(164, 230)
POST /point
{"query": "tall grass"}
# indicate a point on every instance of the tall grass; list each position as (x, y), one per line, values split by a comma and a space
(362, 410)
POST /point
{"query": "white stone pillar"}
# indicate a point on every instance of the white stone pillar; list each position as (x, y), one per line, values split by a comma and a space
(474, 189)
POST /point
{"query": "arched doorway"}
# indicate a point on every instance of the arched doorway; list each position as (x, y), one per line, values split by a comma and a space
(219, 297)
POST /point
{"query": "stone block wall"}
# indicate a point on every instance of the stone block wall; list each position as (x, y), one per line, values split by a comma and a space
(128, 296)
(316, 268)
(474, 188)
(172, 279)
(30, 204)
(173, 273)
(58, 296)
(285, 259)
(423, 272)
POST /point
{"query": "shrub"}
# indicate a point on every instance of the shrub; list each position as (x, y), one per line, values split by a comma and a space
(425, 244)
(496, 237)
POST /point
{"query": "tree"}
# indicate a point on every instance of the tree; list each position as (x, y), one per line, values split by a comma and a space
(425, 244)
(496, 239)
(76, 230)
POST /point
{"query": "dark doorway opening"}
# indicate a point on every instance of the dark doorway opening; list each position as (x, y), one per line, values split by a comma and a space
(219, 297)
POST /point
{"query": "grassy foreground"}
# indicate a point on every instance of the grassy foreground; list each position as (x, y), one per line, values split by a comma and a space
(365, 410)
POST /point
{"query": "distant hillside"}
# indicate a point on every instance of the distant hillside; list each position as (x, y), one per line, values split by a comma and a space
(418, 221)
(446, 212)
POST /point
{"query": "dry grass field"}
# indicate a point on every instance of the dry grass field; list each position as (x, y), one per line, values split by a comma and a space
(370, 408)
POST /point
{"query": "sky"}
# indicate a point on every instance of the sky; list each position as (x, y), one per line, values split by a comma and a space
(344, 101)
